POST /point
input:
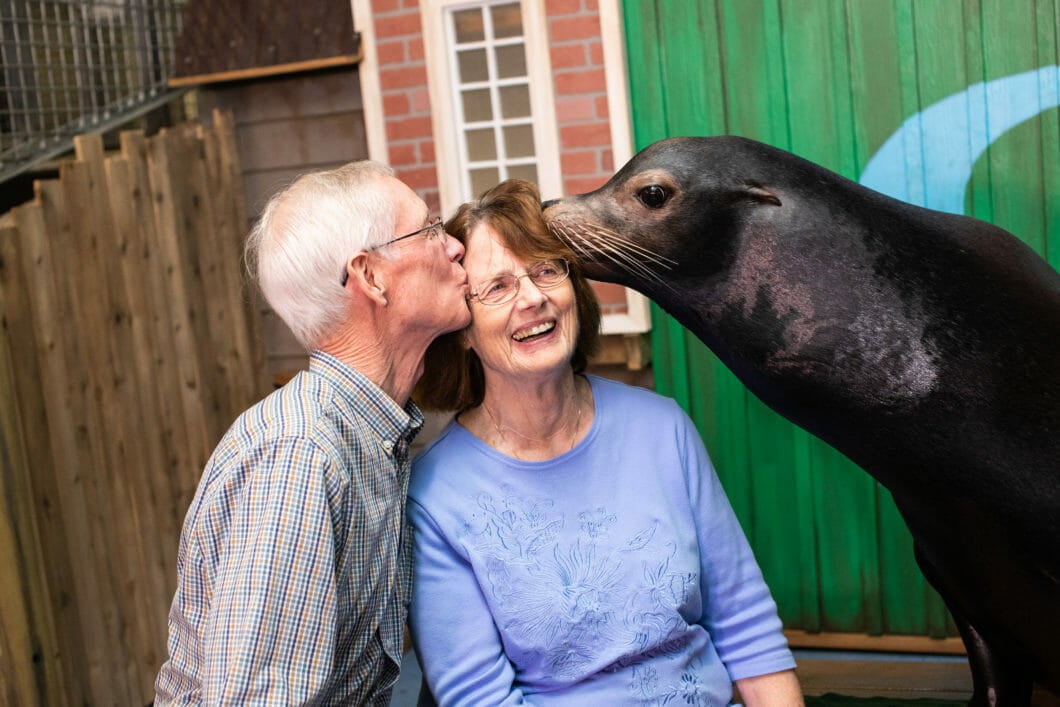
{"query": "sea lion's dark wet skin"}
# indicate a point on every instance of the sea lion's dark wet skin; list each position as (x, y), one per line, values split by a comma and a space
(924, 346)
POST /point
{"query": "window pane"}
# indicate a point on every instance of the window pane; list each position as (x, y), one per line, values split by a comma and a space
(480, 145)
(511, 61)
(472, 65)
(507, 22)
(519, 141)
(468, 26)
(523, 171)
(483, 179)
(515, 101)
(477, 105)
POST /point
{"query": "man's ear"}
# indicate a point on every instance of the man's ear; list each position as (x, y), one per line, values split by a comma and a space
(367, 277)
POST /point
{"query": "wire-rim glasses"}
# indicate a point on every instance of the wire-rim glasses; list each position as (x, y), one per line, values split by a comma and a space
(545, 275)
(434, 230)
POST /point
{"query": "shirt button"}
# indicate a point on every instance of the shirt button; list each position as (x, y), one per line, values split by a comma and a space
(388, 445)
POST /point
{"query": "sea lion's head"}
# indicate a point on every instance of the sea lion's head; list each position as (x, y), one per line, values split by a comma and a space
(674, 212)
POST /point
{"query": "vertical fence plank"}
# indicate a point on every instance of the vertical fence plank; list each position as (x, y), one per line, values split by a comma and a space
(85, 287)
(242, 346)
(22, 588)
(26, 400)
(181, 454)
(240, 292)
(198, 215)
(17, 676)
(134, 522)
(150, 487)
(85, 491)
(75, 591)
(169, 231)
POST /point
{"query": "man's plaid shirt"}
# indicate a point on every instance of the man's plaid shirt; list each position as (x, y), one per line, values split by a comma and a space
(295, 562)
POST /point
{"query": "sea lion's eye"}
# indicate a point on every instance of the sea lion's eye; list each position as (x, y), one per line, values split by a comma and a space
(653, 196)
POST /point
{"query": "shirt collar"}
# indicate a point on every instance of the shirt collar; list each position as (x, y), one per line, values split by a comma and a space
(361, 399)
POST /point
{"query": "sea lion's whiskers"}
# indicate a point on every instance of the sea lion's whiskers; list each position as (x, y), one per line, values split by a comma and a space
(646, 265)
(578, 245)
(634, 248)
(625, 260)
(587, 248)
(618, 250)
(612, 247)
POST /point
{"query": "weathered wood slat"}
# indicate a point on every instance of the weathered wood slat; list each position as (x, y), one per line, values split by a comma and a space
(169, 230)
(180, 456)
(198, 216)
(81, 482)
(113, 563)
(134, 521)
(54, 350)
(191, 207)
(243, 346)
(21, 577)
(150, 488)
(26, 401)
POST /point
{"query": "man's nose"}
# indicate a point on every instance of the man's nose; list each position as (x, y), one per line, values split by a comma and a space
(453, 248)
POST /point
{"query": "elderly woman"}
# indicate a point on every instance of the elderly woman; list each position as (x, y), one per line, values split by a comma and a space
(573, 544)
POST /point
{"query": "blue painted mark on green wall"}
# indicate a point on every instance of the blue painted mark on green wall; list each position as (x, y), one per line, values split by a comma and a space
(929, 159)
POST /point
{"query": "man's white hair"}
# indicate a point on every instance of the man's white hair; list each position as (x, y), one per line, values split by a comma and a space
(306, 234)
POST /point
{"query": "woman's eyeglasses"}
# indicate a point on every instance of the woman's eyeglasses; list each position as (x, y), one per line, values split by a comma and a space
(545, 275)
(434, 231)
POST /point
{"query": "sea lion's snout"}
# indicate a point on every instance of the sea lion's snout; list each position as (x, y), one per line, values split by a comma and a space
(605, 253)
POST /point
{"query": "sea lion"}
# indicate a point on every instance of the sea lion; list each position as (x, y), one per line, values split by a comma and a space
(924, 346)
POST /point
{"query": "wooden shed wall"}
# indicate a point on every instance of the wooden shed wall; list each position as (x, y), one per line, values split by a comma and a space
(287, 126)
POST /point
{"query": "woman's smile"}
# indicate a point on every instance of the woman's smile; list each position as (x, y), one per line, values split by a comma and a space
(534, 331)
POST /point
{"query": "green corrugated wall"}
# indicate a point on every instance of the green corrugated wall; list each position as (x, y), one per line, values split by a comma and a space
(831, 80)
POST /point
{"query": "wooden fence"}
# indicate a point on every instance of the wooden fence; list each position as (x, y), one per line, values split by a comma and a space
(129, 343)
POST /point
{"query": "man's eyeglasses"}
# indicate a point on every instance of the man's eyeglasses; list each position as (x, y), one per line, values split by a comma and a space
(545, 275)
(434, 231)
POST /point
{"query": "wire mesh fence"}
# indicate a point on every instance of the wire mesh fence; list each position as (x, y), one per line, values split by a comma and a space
(69, 67)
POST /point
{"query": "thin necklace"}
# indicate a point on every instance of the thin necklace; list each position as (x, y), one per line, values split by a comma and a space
(501, 428)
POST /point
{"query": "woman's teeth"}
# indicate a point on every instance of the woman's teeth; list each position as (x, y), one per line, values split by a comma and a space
(524, 334)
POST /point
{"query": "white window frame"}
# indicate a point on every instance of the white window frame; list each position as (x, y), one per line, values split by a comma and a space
(447, 138)
(637, 318)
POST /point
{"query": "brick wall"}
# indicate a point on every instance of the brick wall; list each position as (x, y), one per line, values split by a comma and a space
(406, 105)
(581, 94)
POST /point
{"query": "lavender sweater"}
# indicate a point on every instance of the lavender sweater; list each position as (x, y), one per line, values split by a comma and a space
(614, 574)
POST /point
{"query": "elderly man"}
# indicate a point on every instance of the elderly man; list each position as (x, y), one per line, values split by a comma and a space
(294, 560)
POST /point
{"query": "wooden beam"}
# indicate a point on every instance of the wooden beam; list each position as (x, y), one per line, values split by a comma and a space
(264, 71)
(882, 644)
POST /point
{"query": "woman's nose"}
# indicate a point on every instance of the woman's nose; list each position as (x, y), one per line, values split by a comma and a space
(529, 293)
